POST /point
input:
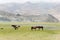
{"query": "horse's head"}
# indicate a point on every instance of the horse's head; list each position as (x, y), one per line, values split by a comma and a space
(18, 26)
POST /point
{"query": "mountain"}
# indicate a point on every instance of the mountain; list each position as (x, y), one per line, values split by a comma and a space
(40, 18)
(29, 11)
(6, 16)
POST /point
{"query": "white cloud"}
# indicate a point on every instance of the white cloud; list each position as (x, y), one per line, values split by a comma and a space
(50, 0)
(7, 1)
(35, 0)
(22, 1)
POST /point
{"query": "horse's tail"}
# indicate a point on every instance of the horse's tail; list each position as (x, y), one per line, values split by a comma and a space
(31, 28)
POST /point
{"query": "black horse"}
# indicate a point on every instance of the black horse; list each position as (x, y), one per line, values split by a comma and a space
(35, 27)
(15, 26)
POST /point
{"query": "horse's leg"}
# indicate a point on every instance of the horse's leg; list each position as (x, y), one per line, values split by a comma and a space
(35, 29)
(42, 28)
(39, 28)
(15, 28)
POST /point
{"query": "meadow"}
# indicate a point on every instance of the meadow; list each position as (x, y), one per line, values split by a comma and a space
(51, 31)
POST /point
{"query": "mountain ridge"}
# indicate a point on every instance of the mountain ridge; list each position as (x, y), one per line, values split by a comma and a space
(27, 9)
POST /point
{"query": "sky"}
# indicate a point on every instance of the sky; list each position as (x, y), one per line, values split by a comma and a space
(33, 1)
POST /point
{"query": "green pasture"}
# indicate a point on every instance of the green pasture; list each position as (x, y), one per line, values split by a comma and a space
(51, 31)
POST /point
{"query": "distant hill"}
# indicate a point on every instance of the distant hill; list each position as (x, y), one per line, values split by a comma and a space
(5, 16)
(29, 11)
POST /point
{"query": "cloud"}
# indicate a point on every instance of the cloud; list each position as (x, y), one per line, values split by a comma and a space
(50, 0)
(6, 1)
(34, 0)
(22, 1)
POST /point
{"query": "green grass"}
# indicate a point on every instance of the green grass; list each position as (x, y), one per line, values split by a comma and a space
(25, 33)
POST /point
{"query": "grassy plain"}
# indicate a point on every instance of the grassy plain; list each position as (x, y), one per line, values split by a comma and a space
(51, 31)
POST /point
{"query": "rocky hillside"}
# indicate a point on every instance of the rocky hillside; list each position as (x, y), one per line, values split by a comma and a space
(5, 16)
(40, 12)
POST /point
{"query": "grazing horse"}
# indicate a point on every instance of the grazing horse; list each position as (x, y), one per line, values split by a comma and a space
(15, 26)
(35, 27)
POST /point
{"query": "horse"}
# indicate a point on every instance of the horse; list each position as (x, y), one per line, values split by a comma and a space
(15, 26)
(35, 27)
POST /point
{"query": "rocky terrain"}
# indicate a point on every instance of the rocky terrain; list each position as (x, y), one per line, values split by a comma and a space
(30, 12)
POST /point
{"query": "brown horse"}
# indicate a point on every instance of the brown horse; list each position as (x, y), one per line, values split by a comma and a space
(35, 27)
(15, 26)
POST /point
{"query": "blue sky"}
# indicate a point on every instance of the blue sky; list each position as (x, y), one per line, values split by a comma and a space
(34, 1)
